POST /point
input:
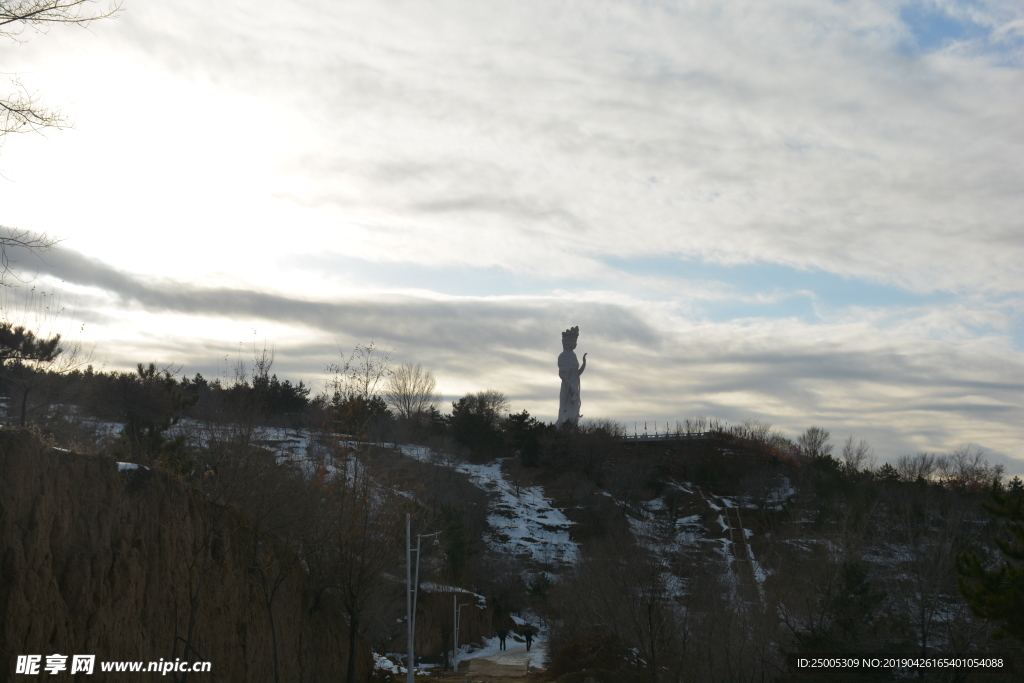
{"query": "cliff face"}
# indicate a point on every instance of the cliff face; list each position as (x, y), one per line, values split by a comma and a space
(96, 561)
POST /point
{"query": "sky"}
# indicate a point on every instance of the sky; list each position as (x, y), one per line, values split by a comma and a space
(792, 211)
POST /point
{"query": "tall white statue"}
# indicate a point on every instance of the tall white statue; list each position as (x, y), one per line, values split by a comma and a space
(569, 369)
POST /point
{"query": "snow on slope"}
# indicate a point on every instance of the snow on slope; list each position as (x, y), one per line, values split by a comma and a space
(666, 536)
(522, 521)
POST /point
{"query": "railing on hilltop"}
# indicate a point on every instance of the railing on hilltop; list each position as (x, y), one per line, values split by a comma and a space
(666, 436)
(698, 429)
(764, 443)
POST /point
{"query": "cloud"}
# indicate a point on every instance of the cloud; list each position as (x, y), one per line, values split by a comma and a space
(534, 137)
(789, 210)
(506, 321)
(829, 148)
(897, 385)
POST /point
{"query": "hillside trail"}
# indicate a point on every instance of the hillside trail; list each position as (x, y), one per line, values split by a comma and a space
(485, 671)
(491, 665)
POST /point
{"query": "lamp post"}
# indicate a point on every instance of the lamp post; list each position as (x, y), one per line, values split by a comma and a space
(458, 618)
(411, 585)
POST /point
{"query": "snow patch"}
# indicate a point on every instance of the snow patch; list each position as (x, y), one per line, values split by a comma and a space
(522, 520)
(382, 663)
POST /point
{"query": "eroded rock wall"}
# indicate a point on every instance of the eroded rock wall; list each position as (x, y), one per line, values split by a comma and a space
(96, 561)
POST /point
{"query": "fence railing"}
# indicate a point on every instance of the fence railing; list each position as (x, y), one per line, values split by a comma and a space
(667, 436)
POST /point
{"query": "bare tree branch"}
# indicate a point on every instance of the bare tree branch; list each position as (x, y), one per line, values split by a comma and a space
(16, 16)
(15, 238)
(21, 110)
(410, 390)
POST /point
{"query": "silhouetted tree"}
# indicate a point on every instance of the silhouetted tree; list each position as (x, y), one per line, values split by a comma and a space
(815, 442)
(410, 391)
(995, 591)
(523, 434)
(28, 362)
(476, 420)
(149, 402)
(353, 402)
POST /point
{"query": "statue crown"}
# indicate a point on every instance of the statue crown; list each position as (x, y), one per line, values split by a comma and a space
(572, 332)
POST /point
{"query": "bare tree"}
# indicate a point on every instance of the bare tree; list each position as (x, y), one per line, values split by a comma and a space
(967, 468)
(17, 15)
(621, 590)
(351, 542)
(410, 391)
(353, 398)
(233, 472)
(491, 403)
(815, 442)
(361, 373)
(15, 240)
(31, 353)
(929, 530)
(920, 466)
(21, 110)
(276, 503)
(857, 455)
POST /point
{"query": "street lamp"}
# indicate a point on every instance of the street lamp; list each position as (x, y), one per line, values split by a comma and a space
(411, 586)
(458, 619)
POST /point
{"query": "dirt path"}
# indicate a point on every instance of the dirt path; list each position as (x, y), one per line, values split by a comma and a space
(492, 666)
(514, 665)
(485, 670)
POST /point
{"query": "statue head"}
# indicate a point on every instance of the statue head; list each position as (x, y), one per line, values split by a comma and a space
(569, 338)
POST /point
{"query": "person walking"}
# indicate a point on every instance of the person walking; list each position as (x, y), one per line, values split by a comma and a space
(502, 635)
(528, 634)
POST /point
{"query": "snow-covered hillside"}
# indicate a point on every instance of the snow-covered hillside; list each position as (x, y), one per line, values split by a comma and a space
(522, 521)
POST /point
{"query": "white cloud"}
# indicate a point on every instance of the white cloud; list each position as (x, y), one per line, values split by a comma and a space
(230, 146)
(911, 379)
(530, 136)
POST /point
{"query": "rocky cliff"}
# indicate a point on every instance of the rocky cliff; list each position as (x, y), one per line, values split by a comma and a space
(118, 564)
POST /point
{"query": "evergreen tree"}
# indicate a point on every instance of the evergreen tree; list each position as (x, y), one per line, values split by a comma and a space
(19, 344)
(475, 422)
(997, 594)
(888, 473)
(23, 361)
(523, 433)
(149, 402)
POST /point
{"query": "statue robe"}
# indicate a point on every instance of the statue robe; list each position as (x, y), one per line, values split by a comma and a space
(569, 397)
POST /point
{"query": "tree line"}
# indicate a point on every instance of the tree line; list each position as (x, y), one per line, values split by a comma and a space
(898, 558)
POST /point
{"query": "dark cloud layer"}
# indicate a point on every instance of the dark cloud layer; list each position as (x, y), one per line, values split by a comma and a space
(446, 323)
(545, 143)
(904, 394)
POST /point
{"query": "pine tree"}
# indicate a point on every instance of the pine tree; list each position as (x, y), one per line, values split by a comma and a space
(24, 358)
(997, 594)
(19, 344)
